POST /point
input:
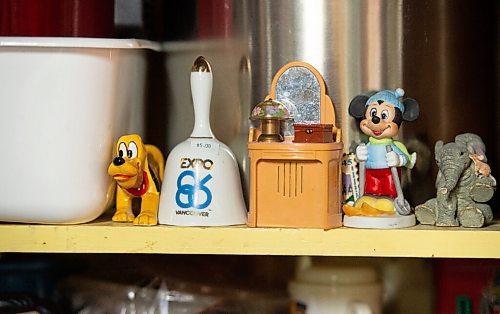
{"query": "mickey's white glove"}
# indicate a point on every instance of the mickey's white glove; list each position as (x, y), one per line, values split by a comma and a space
(362, 152)
(394, 160)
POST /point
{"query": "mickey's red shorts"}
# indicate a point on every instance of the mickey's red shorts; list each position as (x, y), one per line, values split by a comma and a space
(380, 182)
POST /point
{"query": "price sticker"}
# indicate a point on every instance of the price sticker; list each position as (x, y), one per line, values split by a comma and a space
(211, 147)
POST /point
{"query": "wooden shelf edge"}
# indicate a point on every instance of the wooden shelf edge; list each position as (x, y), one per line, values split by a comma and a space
(108, 237)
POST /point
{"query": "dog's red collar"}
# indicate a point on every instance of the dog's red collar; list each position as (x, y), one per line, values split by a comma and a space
(143, 188)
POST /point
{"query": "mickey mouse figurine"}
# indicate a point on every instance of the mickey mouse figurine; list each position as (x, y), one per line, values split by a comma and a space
(381, 159)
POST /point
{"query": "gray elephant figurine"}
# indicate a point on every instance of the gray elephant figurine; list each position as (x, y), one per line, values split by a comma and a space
(464, 183)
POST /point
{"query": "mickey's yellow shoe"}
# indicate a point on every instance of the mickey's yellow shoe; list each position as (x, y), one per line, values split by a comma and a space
(370, 206)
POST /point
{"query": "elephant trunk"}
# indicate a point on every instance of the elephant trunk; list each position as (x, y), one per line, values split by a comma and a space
(451, 173)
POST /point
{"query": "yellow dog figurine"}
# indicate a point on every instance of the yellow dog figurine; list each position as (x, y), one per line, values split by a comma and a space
(138, 172)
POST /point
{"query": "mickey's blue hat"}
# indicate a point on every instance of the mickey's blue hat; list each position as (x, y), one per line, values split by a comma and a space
(389, 96)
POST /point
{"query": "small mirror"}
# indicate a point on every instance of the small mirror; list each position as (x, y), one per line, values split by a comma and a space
(299, 90)
(302, 90)
(298, 86)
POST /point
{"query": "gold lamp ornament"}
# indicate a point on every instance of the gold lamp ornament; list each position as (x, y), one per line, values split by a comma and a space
(270, 113)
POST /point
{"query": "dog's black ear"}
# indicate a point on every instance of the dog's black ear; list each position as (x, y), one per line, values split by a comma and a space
(357, 106)
(412, 109)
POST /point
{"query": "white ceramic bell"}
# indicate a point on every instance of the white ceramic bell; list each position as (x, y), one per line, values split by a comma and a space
(202, 184)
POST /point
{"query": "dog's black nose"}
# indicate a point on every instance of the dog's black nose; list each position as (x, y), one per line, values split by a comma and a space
(375, 119)
(118, 161)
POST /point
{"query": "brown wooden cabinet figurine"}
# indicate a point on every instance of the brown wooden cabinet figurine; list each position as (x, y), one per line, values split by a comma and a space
(313, 133)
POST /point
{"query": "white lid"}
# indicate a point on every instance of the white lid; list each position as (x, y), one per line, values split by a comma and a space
(78, 42)
(342, 275)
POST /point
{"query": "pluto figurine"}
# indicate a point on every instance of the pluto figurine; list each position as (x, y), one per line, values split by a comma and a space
(381, 203)
(138, 172)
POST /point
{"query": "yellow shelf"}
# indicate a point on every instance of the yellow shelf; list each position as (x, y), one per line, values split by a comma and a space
(103, 236)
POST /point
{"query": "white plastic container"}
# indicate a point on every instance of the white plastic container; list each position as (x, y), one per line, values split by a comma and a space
(342, 290)
(63, 103)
